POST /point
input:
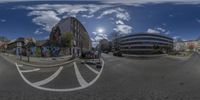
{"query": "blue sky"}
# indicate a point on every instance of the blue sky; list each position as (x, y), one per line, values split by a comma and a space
(176, 18)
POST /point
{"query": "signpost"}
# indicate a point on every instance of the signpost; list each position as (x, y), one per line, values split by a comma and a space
(19, 49)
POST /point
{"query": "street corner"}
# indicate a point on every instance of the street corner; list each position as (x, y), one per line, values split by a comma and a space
(178, 57)
(72, 76)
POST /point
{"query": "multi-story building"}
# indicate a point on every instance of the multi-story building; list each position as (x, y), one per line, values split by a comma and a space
(189, 45)
(3, 46)
(179, 46)
(143, 43)
(70, 35)
(198, 45)
(19, 45)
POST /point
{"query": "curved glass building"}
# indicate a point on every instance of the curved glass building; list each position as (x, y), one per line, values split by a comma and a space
(145, 43)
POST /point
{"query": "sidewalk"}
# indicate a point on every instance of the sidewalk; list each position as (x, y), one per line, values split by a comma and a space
(180, 57)
(39, 61)
(144, 56)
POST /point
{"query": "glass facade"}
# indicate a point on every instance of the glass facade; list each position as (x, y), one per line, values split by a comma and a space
(145, 43)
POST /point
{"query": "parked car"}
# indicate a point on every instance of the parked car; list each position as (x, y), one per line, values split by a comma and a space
(105, 52)
(117, 53)
(89, 55)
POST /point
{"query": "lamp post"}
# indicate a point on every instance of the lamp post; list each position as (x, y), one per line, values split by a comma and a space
(19, 49)
(28, 53)
(74, 49)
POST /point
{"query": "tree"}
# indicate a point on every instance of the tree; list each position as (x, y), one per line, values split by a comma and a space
(66, 41)
(67, 38)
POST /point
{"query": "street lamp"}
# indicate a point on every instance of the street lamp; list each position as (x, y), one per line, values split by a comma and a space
(19, 49)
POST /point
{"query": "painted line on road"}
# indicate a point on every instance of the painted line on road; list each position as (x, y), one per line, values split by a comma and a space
(81, 80)
(20, 65)
(49, 79)
(61, 90)
(93, 70)
(31, 70)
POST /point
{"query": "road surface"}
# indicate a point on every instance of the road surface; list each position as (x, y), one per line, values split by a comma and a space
(121, 78)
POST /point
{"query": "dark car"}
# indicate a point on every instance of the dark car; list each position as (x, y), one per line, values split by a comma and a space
(117, 53)
(105, 52)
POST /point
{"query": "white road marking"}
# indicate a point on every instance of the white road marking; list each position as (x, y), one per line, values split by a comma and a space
(61, 90)
(93, 70)
(20, 65)
(81, 80)
(31, 70)
(49, 79)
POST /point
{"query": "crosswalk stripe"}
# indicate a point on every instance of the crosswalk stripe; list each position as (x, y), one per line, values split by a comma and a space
(81, 80)
(93, 70)
(31, 70)
(20, 65)
(49, 79)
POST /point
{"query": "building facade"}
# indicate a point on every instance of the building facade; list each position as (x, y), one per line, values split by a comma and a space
(143, 43)
(3, 46)
(179, 46)
(71, 36)
(189, 45)
(19, 45)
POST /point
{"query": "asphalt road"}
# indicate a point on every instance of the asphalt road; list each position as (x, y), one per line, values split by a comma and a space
(122, 78)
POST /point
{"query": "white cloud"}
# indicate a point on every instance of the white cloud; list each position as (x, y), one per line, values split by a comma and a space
(176, 37)
(69, 8)
(152, 31)
(88, 16)
(119, 13)
(167, 33)
(3, 20)
(96, 37)
(161, 29)
(38, 31)
(123, 29)
(119, 22)
(46, 19)
(158, 30)
(46, 15)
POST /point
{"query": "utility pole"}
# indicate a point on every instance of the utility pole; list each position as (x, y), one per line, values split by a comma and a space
(19, 48)
(28, 53)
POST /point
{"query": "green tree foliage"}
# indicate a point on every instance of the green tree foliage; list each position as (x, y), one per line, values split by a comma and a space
(66, 41)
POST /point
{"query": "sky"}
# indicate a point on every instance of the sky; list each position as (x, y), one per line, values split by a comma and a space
(175, 18)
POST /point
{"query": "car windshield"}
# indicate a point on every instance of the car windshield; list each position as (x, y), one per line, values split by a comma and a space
(100, 50)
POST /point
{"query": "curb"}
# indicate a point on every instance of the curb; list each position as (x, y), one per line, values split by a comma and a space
(181, 58)
(37, 65)
(47, 66)
(144, 56)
